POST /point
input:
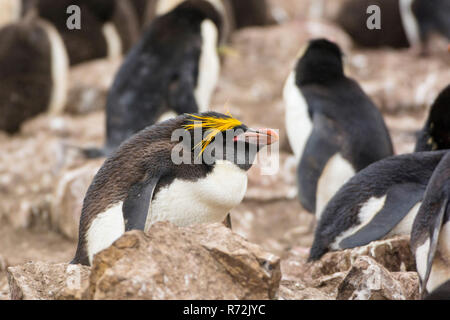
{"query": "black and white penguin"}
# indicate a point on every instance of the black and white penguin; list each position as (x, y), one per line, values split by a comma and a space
(430, 236)
(172, 70)
(145, 181)
(33, 68)
(109, 28)
(381, 200)
(404, 23)
(157, 8)
(435, 135)
(333, 127)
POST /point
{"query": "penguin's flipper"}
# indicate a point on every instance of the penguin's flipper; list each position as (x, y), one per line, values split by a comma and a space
(322, 144)
(136, 205)
(400, 199)
(434, 238)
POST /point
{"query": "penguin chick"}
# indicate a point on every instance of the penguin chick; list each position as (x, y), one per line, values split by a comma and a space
(435, 135)
(381, 200)
(172, 70)
(33, 68)
(430, 236)
(333, 127)
(108, 28)
(144, 181)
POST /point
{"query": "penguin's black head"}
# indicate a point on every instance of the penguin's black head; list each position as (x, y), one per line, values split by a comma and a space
(321, 63)
(215, 137)
(436, 133)
(200, 10)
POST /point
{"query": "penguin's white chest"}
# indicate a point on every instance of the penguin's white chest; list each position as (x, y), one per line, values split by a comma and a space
(209, 66)
(298, 122)
(206, 200)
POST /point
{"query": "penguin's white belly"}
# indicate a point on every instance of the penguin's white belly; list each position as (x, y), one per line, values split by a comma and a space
(209, 66)
(440, 271)
(405, 226)
(60, 69)
(336, 172)
(298, 122)
(113, 41)
(206, 200)
(106, 228)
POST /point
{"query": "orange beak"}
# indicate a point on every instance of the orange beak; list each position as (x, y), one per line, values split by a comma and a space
(261, 137)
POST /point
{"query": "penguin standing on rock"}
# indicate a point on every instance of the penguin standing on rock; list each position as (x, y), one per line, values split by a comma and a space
(144, 181)
(33, 68)
(435, 135)
(430, 236)
(381, 200)
(172, 70)
(333, 127)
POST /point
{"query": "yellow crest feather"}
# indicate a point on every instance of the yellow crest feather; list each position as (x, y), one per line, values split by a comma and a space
(213, 125)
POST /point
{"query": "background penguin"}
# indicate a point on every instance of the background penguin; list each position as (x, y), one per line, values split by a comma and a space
(172, 70)
(430, 236)
(108, 27)
(381, 200)
(223, 7)
(404, 23)
(236, 14)
(435, 135)
(141, 184)
(33, 69)
(333, 127)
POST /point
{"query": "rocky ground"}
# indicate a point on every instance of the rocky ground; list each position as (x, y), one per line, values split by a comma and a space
(43, 180)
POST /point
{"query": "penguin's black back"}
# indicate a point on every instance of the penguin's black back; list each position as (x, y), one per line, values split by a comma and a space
(435, 135)
(25, 70)
(438, 190)
(341, 212)
(359, 127)
(163, 62)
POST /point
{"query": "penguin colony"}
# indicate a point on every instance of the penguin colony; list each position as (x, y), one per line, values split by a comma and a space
(347, 173)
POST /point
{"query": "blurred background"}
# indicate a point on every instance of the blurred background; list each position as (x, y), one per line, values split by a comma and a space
(43, 179)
